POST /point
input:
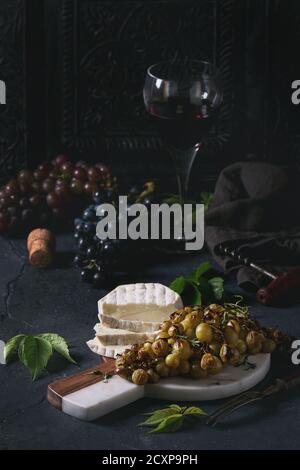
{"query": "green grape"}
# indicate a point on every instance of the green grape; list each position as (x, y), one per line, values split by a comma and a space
(241, 346)
(171, 341)
(123, 371)
(188, 309)
(148, 346)
(229, 353)
(193, 319)
(176, 330)
(225, 353)
(162, 335)
(231, 335)
(153, 376)
(235, 325)
(190, 333)
(160, 347)
(139, 377)
(197, 372)
(215, 348)
(184, 367)
(166, 325)
(207, 361)
(162, 369)
(120, 362)
(217, 366)
(254, 340)
(177, 316)
(173, 360)
(235, 358)
(145, 355)
(204, 333)
(130, 356)
(216, 308)
(183, 347)
(268, 345)
(243, 333)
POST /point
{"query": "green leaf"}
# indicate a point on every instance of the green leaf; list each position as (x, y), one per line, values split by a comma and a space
(195, 411)
(202, 269)
(217, 285)
(35, 353)
(158, 416)
(191, 294)
(196, 275)
(206, 290)
(11, 346)
(170, 424)
(59, 345)
(178, 285)
(176, 407)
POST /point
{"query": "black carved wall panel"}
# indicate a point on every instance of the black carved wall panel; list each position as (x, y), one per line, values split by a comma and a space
(74, 71)
(104, 50)
(12, 72)
(283, 118)
(24, 116)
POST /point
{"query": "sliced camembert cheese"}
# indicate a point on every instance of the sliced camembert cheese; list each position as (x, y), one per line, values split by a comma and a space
(138, 307)
(108, 350)
(108, 336)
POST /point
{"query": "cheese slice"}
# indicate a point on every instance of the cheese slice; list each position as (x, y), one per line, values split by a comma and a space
(138, 307)
(108, 336)
(108, 350)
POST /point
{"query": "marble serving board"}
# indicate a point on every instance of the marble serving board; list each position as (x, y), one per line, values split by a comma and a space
(88, 395)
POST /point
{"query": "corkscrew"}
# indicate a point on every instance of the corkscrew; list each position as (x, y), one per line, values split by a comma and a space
(283, 288)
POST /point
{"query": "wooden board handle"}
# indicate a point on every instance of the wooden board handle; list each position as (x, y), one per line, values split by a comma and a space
(62, 387)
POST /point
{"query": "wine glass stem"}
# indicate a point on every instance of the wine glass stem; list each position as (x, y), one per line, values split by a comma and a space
(183, 161)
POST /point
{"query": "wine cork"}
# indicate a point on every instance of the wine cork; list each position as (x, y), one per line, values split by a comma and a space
(41, 247)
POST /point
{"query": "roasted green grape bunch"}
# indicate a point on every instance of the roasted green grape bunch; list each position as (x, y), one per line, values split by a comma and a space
(199, 341)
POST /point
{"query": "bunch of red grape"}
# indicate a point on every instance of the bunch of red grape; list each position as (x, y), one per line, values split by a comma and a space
(51, 195)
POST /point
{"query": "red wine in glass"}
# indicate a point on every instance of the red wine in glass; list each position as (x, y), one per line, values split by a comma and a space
(179, 123)
(182, 97)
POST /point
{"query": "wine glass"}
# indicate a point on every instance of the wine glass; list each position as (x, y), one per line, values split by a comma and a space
(183, 99)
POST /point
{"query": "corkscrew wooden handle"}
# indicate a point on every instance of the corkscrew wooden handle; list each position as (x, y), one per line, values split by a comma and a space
(284, 289)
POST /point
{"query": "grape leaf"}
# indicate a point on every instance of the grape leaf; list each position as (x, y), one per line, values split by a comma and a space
(178, 285)
(10, 346)
(195, 411)
(202, 269)
(217, 285)
(191, 294)
(158, 416)
(59, 345)
(206, 290)
(170, 424)
(176, 407)
(170, 419)
(35, 353)
(199, 287)
(196, 275)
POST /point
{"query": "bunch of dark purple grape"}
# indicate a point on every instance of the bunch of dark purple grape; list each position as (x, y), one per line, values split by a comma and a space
(51, 195)
(95, 257)
(99, 260)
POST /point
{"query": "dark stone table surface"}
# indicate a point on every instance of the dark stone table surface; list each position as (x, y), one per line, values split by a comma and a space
(55, 300)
